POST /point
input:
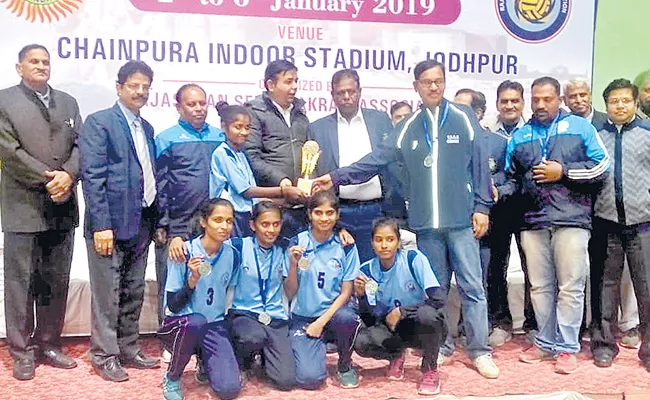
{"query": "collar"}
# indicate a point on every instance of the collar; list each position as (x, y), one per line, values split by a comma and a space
(130, 115)
(500, 127)
(590, 117)
(560, 115)
(186, 125)
(279, 107)
(635, 121)
(341, 119)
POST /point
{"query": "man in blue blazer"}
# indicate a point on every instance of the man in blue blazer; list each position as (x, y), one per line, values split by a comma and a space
(117, 159)
(344, 138)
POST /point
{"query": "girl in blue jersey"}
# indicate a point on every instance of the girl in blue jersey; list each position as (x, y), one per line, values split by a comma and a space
(401, 304)
(319, 279)
(195, 298)
(258, 317)
(231, 176)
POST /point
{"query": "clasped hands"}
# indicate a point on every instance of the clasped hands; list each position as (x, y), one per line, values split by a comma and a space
(59, 185)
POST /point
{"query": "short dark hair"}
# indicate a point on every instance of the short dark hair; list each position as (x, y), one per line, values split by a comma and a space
(389, 222)
(620, 84)
(512, 85)
(345, 73)
(275, 68)
(426, 65)
(23, 52)
(133, 67)
(478, 99)
(265, 206)
(547, 80)
(207, 207)
(182, 89)
(228, 113)
(399, 105)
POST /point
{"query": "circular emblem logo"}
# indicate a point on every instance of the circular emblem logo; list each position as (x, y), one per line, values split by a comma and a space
(533, 21)
(42, 10)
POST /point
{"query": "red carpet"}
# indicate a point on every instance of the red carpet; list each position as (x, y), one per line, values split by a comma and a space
(458, 378)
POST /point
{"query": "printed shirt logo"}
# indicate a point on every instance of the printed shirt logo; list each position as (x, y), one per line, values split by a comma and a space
(43, 11)
(533, 21)
(453, 139)
(562, 126)
(410, 286)
(225, 279)
(414, 145)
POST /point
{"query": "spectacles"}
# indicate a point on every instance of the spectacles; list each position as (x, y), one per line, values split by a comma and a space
(626, 101)
(135, 86)
(429, 82)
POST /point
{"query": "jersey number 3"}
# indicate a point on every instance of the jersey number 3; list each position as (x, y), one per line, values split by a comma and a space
(210, 298)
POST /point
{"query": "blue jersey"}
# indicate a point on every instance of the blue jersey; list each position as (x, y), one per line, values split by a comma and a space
(260, 272)
(209, 296)
(231, 176)
(330, 264)
(402, 285)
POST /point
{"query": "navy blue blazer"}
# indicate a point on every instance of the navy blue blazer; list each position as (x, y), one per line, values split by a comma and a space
(379, 126)
(111, 174)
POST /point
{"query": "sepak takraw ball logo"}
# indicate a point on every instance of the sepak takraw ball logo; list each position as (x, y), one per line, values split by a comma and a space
(42, 10)
(533, 21)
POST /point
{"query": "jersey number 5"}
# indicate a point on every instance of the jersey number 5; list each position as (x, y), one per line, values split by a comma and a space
(210, 298)
(321, 280)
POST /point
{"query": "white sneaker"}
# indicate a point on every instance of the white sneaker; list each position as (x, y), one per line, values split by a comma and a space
(442, 358)
(486, 366)
(166, 356)
(499, 337)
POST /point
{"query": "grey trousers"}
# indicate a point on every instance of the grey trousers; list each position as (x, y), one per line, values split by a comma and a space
(37, 272)
(117, 284)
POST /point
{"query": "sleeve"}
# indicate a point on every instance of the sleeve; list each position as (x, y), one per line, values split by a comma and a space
(176, 278)
(512, 173)
(370, 165)
(17, 163)
(595, 167)
(351, 267)
(498, 147)
(366, 313)
(217, 180)
(254, 147)
(235, 177)
(481, 178)
(71, 166)
(176, 301)
(163, 161)
(436, 297)
(236, 268)
(94, 173)
(423, 271)
(287, 256)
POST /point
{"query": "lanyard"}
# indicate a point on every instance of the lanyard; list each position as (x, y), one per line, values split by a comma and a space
(214, 261)
(263, 284)
(544, 142)
(315, 249)
(442, 116)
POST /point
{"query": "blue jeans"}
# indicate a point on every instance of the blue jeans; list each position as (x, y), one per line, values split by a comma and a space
(357, 219)
(457, 250)
(557, 268)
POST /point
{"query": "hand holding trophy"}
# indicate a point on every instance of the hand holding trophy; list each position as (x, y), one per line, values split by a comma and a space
(310, 154)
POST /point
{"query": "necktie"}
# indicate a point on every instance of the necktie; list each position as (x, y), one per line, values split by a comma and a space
(142, 151)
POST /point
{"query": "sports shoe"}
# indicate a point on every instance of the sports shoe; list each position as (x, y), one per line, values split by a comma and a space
(429, 383)
(348, 379)
(396, 369)
(534, 355)
(172, 390)
(486, 366)
(166, 356)
(442, 358)
(566, 364)
(631, 339)
(530, 336)
(499, 337)
(200, 376)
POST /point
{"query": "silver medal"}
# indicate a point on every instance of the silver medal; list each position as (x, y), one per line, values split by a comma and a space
(205, 268)
(303, 263)
(428, 161)
(264, 318)
(371, 287)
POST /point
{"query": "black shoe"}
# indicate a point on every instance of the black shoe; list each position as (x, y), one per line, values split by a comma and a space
(57, 359)
(603, 360)
(111, 370)
(646, 364)
(24, 369)
(140, 361)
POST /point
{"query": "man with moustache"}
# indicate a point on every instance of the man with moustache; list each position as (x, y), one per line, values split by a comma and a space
(642, 81)
(344, 137)
(39, 127)
(441, 146)
(555, 160)
(279, 128)
(622, 219)
(183, 154)
(119, 184)
(577, 97)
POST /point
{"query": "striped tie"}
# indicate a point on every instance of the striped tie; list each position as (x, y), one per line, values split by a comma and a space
(144, 157)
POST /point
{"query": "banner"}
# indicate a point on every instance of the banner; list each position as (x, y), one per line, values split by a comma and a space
(224, 45)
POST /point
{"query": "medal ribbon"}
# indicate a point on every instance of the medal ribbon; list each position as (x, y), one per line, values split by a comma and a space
(263, 284)
(315, 249)
(189, 254)
(425, 124)
(543, 143)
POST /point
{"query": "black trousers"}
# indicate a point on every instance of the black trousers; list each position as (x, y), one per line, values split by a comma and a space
(633, 244)
(36, 273)
(117, 284)
(161, 254)
(425, 330)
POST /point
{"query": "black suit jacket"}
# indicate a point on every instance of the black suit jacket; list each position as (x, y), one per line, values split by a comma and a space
(599, 120)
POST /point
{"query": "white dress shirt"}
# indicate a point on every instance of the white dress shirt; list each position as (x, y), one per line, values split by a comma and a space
(285, 112)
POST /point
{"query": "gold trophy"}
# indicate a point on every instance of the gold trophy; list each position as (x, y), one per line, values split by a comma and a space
(310, 154)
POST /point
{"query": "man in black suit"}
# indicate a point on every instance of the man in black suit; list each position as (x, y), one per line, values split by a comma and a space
(344, 138)
(40, 166)
(117, 159)
(577, 96)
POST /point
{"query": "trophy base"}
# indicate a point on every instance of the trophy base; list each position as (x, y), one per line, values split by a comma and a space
(304, 185)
